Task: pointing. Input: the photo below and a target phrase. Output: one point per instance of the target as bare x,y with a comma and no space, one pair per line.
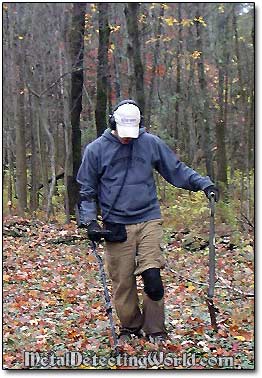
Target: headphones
112,122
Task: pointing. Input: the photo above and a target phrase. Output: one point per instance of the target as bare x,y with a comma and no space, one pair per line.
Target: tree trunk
204,100
42,155
9,104
222,61
102,69
130,72
178,77
44,122
21,168
10,173
77,54
117,83
155,61
191,109
245,127
220,134
131,13
34,166
64,91
242,120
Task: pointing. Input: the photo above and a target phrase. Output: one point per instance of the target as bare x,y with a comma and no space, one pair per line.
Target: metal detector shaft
106,294
212,251
212,264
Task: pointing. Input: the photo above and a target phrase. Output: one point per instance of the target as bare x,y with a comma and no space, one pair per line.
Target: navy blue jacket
121,175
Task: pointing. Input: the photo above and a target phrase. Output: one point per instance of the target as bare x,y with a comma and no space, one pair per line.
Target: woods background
190,66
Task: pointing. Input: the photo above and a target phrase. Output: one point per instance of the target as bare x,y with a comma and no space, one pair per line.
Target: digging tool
106,295
212,264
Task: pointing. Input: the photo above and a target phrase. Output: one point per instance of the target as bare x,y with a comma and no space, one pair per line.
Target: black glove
94,231
212,189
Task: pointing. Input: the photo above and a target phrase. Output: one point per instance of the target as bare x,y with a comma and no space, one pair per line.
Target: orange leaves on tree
151,40
186,22
114,28
170,21
93,7
221,8
200,20
160,70
196,54
142,18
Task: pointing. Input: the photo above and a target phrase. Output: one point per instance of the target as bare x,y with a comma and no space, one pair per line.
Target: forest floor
53,302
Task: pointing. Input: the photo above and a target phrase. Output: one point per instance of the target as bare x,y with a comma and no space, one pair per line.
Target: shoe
157,338
127,334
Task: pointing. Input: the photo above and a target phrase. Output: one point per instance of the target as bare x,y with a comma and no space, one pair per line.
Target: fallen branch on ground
227,287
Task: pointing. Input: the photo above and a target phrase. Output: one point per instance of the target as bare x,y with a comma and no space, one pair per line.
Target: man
117,172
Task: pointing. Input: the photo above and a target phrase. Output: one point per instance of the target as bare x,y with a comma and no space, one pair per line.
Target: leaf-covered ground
53,301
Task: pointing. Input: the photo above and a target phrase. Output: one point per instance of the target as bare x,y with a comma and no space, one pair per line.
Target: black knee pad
153,285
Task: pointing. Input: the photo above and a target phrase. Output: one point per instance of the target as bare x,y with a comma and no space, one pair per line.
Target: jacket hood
108,135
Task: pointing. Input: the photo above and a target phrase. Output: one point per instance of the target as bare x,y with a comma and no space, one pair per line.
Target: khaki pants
124,261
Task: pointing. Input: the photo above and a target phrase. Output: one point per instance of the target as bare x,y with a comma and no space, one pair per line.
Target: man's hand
212,189
94,231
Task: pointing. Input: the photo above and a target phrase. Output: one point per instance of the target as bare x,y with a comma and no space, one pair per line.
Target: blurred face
122,140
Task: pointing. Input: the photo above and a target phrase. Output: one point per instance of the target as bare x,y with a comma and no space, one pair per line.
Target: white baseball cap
127,118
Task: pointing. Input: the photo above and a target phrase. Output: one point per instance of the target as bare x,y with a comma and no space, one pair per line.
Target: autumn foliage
53,299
